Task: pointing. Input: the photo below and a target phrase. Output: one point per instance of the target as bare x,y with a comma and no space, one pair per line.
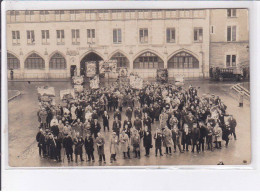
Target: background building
52,44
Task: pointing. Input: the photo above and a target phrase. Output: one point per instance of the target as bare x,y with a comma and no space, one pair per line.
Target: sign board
136,82
46,91
107,66
94,83
91,68
67,92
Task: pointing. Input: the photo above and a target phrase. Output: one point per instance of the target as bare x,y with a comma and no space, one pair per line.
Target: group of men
159,115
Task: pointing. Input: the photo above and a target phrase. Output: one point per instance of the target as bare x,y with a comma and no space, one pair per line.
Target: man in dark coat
203,134
147,141
195,136
89,147
233,124
67,144
138,112
58,141
79,112
40,138
117,126
226,131
55,130
95,128
147,121
138,124
158,142
78,142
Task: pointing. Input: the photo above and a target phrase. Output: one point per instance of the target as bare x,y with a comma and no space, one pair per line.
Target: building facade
57,43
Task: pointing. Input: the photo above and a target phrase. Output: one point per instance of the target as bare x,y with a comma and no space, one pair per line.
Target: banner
179,80
108,66
46,91
136,82
94,83
67,93
91,68
122,71
78,80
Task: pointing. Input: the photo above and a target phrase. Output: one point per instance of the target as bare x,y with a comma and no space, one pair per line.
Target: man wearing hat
158,141
40,138
89,147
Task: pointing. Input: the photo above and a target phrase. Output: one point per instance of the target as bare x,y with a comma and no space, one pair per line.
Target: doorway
89,57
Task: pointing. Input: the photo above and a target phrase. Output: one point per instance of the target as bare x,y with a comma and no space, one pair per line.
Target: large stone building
51,44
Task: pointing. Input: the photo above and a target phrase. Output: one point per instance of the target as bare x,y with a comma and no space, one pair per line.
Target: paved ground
23,126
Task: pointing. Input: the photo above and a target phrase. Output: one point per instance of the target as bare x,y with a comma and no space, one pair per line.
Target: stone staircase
238,88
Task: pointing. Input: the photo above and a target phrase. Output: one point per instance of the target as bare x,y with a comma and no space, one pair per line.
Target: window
170,35
121,59
148,60
231,12
15,16
60,36
45,37
59,15
57,61
34,61
12,61
230,60
231,33
16,37
29,16
91,36
44,16
75,36
30,37
74,15
183,60
143,34
117,36
90,14
198,35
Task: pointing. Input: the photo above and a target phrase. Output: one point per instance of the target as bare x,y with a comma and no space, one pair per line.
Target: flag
91,68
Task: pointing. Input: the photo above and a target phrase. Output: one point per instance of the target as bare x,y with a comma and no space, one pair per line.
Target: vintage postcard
128,87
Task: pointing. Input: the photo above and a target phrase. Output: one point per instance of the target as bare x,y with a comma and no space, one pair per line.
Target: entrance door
89,57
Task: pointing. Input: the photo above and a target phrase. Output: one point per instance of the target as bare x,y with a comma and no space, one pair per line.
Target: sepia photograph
128,87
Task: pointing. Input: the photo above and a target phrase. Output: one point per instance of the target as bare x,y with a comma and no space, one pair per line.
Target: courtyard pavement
23,127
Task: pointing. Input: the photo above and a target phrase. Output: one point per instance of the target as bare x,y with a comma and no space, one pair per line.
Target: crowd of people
157,116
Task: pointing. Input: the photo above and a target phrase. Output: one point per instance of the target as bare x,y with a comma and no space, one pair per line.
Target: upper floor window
90,14
231,33
30,37
231,12
15,16
143,35
74,15
16,37
91,36
60,36
198,35
45,37
117,36
44,16
59,15
231,60
75,36
170,35
29,16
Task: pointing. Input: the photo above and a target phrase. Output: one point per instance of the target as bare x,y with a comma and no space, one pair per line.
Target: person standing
233,124
124,141
158,142
195,136
89,147
147,121
186,137
58,140
100,141
114,143
167,140
147,141
68,144
129,113
241,99
176,137
78,142
116,126
203,134
218,135
135,141
226,131
95,128
40,138
105,118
